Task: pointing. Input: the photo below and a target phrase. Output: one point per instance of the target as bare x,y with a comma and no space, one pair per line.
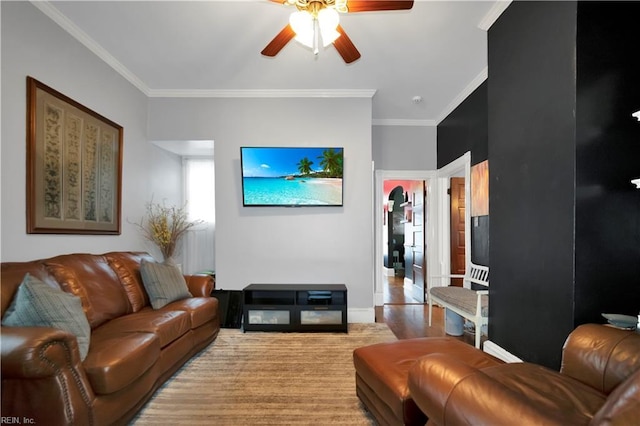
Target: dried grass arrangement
165,226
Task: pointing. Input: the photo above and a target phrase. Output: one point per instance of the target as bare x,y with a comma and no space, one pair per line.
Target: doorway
404,248
453,216
438,224
457,208
410,259
393,256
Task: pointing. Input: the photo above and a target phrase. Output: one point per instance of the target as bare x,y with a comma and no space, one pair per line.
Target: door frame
461,165
431,212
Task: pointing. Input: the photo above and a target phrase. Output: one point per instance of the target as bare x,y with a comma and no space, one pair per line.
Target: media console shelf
295,307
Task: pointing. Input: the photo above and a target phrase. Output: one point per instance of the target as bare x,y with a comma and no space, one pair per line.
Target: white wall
284,245
164,170
305,245
34,45
405,147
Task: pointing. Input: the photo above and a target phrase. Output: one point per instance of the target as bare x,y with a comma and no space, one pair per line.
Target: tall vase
171,261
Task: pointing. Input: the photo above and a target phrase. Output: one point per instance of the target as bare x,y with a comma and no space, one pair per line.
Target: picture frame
74,166
480,189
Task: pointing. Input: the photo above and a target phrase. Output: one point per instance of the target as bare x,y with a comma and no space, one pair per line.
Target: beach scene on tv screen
292,176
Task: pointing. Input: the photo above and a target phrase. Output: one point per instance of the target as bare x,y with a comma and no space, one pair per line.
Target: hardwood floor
408,318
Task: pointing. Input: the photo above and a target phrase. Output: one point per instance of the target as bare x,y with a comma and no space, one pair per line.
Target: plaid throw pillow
164,283
38,305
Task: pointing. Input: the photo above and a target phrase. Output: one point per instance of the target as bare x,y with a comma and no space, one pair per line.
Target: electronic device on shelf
319,297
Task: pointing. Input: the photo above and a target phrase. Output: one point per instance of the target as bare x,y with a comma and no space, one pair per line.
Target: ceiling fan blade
375,5
279,41
345,46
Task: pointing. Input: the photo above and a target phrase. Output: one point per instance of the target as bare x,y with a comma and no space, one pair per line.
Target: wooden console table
295,307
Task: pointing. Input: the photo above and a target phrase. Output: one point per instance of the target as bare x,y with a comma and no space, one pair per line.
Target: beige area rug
260,378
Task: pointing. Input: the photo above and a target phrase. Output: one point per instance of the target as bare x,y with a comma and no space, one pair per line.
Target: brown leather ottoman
382,371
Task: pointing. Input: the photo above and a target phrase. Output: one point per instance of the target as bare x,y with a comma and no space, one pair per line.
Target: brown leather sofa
133,348
598,384
436,380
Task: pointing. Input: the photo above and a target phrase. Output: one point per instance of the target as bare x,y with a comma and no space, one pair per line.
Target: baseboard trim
379,298
361,315
499,352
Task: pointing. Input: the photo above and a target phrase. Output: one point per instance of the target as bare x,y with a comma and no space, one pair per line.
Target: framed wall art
74,166
480,189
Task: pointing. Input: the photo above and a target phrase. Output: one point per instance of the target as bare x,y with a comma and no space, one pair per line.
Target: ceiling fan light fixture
318,19
328,20
309,25
302,24
341,6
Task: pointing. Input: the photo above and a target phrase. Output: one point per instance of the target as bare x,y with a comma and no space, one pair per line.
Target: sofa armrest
601,356
36,352
200,285
42,377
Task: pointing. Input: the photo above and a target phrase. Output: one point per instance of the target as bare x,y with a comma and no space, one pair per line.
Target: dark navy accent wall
565,233
607,158
564,78
531,196
480,240
465,129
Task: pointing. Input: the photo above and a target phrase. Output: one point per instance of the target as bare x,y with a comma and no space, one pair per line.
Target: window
200,189
199,195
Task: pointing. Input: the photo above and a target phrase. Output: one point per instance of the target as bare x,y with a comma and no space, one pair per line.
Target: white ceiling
437,51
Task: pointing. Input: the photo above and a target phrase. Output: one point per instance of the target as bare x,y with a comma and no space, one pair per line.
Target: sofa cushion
167,325
38,305
622,406
127,266
200,309
450,391
91,278
118,359
68,282
164,283
13,273
463,298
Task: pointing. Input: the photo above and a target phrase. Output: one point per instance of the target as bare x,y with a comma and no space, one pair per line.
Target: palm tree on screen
304,166
331,162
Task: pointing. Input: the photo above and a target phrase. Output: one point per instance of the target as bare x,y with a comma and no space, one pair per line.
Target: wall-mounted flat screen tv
291,176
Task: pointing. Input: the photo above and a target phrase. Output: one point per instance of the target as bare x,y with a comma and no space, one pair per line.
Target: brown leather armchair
598,384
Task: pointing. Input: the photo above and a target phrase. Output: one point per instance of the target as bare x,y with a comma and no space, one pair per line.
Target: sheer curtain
199,247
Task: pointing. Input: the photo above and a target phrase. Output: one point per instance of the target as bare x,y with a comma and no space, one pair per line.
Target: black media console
295,307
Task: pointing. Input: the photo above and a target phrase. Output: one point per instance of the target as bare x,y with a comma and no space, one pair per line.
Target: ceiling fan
315,19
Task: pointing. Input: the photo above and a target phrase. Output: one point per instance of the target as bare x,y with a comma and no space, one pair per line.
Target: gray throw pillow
36,304
164,283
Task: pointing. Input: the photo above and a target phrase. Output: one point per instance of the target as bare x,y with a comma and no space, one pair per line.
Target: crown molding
493,14
473,85
402,122
59,18
46,7
263,93
56,16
